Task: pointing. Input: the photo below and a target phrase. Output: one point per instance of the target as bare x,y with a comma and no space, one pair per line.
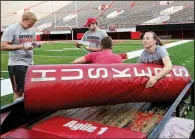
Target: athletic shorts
17,76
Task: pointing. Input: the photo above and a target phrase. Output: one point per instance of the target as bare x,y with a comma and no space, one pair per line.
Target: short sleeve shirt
154,58
94,37
103,57
16,35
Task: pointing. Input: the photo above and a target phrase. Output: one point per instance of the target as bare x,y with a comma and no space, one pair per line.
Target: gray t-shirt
94,37
154,58
17,35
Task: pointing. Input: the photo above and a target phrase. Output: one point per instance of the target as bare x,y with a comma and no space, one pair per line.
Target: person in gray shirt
18,39
155,53
93,36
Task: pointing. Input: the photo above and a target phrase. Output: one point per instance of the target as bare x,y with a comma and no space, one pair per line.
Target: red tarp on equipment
22,133
54,87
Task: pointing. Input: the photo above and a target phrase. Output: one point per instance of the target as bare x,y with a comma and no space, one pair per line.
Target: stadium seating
133,15
183,16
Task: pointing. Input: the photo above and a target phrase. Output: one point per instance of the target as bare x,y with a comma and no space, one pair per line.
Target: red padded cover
74,128
28,134
54,87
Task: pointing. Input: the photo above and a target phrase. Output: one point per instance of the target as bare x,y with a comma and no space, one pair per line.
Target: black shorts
17,76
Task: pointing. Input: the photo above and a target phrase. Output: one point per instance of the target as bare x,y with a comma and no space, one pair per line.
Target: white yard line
6,87
4,71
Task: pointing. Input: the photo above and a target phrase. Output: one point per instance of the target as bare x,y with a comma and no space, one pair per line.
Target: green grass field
65,52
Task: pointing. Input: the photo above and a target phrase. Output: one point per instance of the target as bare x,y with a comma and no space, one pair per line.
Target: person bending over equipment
102,57
155,53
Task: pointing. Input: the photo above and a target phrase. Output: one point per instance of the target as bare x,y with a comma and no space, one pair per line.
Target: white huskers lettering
80,76
43,76
104,73
87,127
97,73
121,73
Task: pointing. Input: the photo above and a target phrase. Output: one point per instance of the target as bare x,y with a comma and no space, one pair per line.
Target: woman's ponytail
158,42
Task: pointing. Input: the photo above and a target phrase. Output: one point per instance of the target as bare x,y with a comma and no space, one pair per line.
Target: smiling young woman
155,53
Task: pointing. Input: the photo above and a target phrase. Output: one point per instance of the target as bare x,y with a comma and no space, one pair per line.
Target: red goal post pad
74,128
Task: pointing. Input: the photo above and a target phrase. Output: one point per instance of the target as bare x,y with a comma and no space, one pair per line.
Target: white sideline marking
4,71
6,87
71,48
64,49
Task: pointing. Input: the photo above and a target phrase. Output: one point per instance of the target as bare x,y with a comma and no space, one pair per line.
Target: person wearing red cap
102,57
93,36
